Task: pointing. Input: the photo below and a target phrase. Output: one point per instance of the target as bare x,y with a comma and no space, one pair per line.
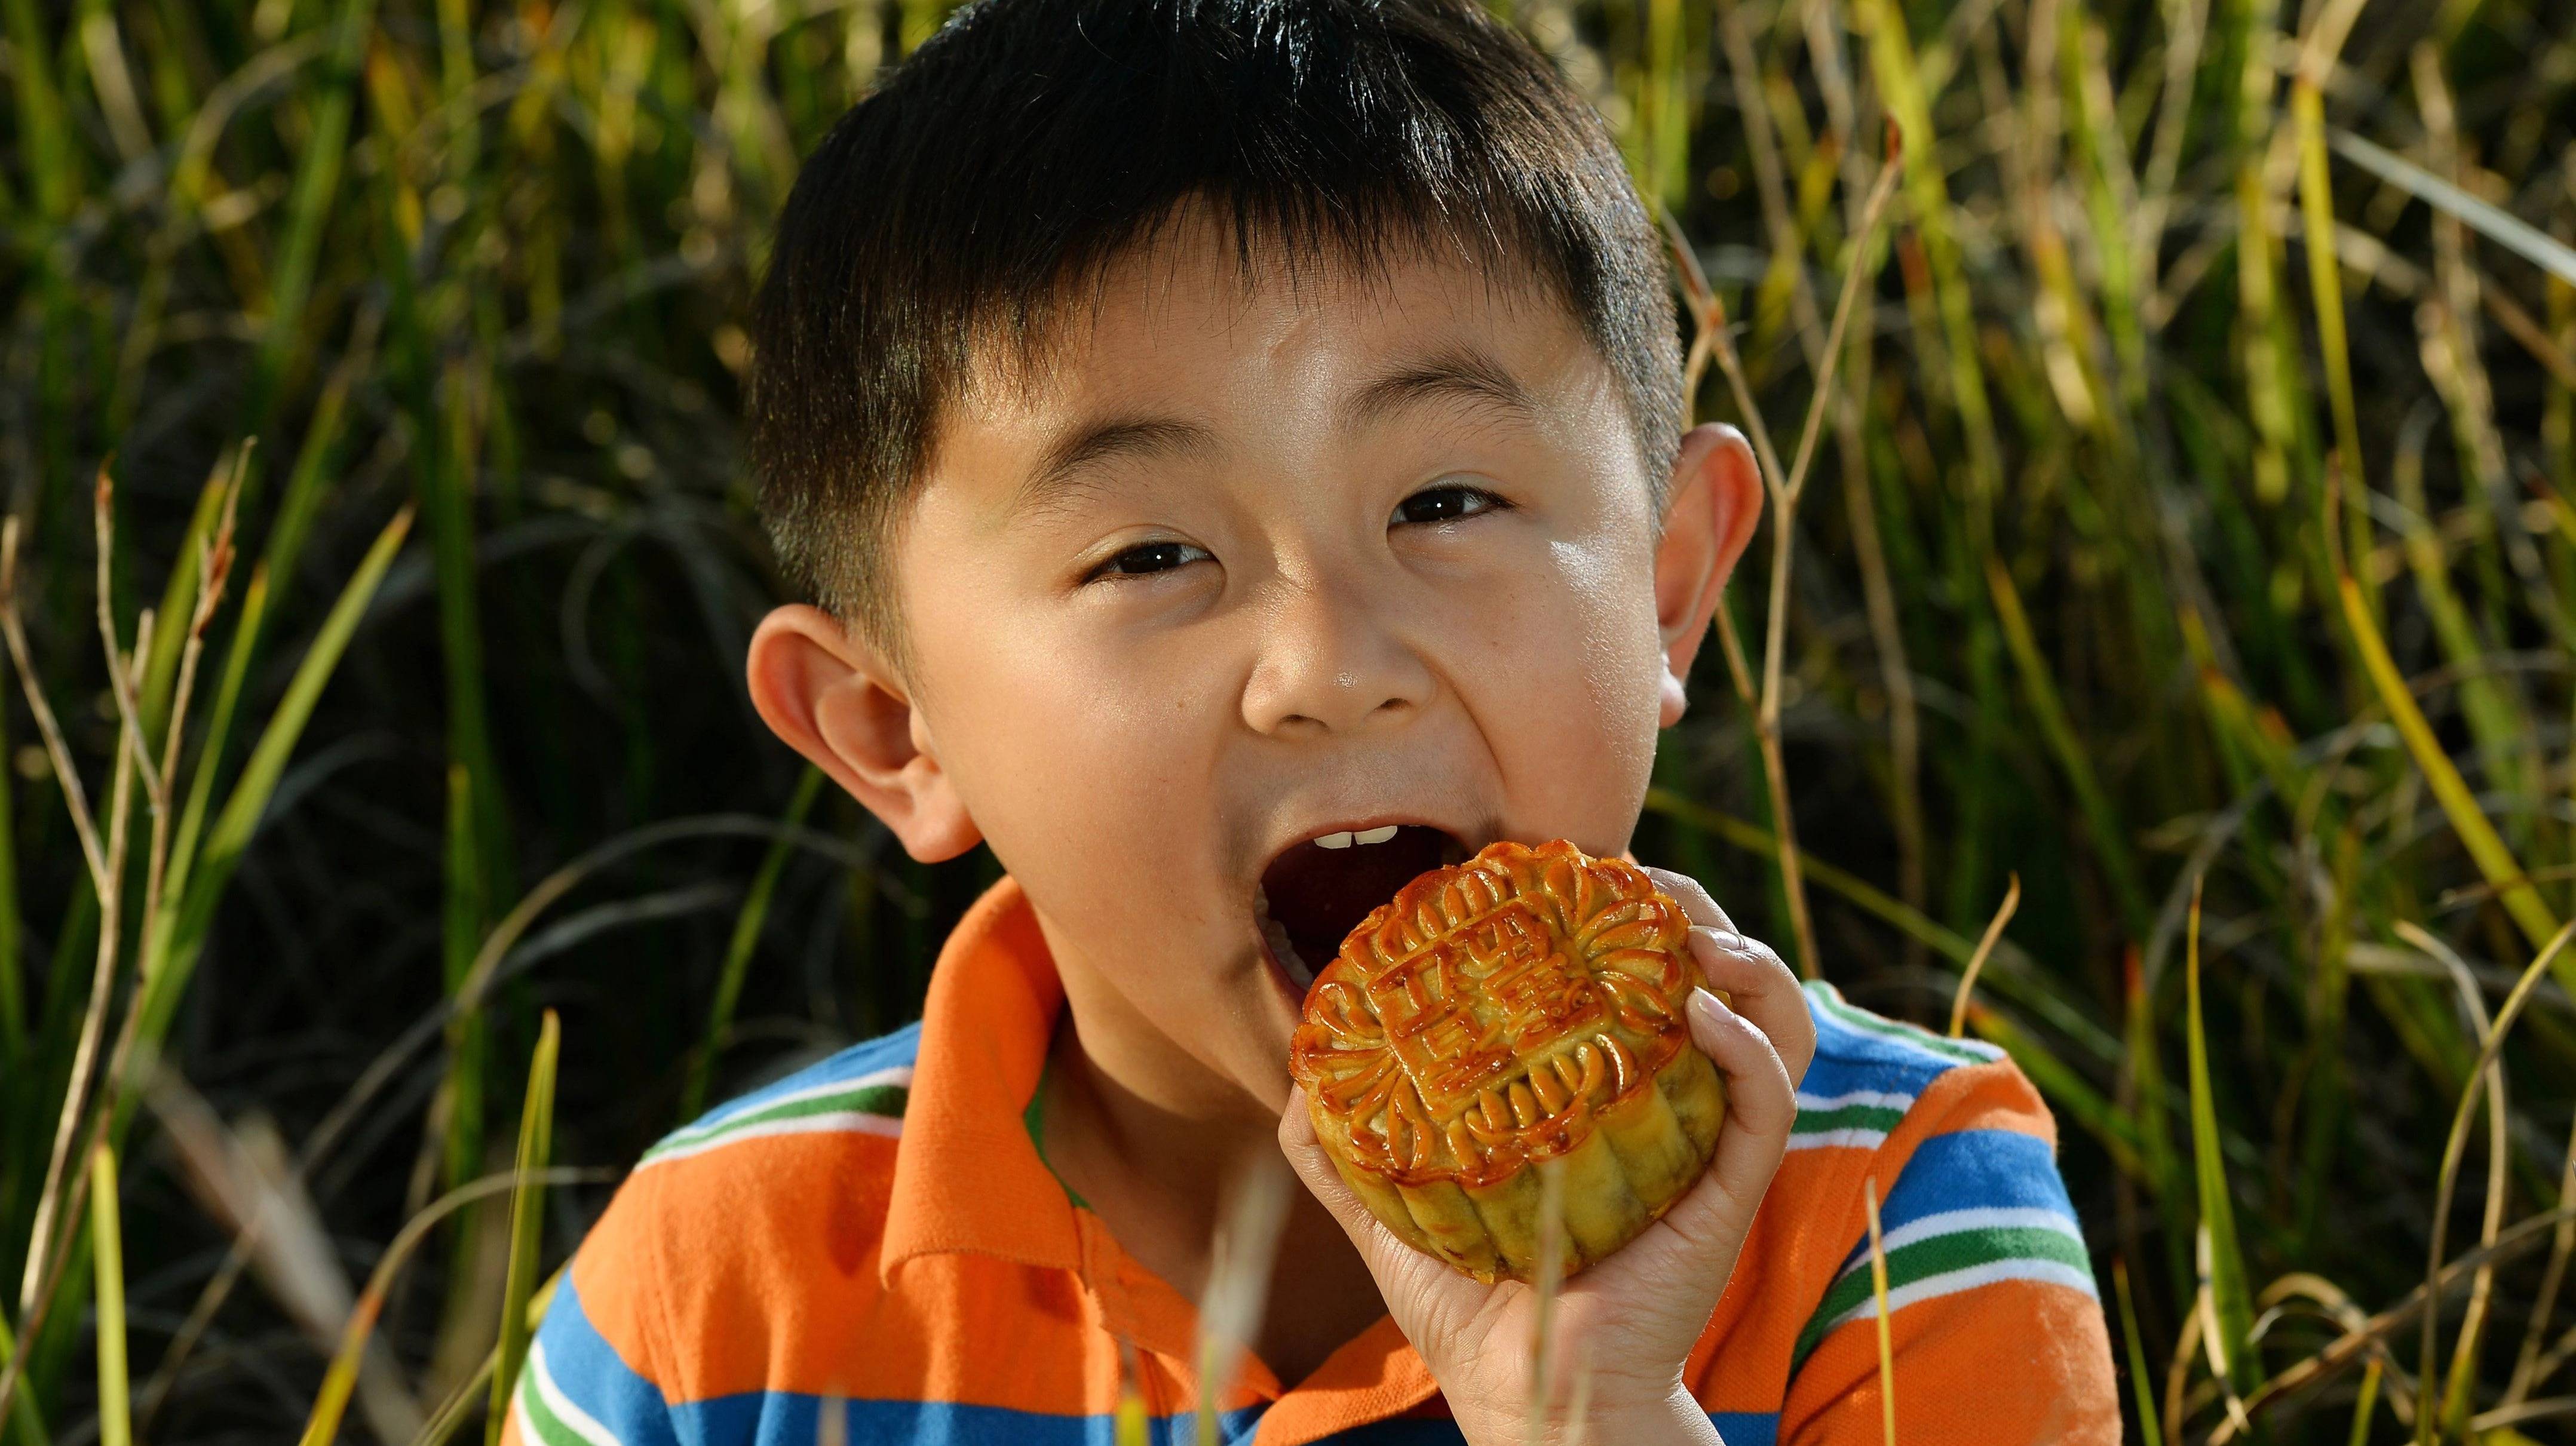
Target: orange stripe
2005,1364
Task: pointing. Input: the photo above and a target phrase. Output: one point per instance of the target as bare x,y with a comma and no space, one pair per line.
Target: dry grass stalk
2499,1153
2455,1146
1985,946
1886,1330
61,1197
1787,486
1546,1285
243,1178
1241,1259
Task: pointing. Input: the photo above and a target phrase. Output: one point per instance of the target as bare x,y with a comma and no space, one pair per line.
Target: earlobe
829,695
1711,508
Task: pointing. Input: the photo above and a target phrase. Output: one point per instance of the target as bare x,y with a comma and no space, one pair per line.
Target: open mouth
1316,892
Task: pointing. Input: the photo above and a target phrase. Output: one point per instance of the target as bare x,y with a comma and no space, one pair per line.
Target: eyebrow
1462,374
1459,375
1085,448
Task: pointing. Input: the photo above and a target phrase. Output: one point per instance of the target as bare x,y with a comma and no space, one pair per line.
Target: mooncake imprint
1521,1007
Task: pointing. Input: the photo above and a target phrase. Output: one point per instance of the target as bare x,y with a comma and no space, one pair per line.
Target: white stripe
1855,1139
1851,1017
1879,1098
1951,1222
899,1075
519,1405
840,1122
580,1421
1953,1282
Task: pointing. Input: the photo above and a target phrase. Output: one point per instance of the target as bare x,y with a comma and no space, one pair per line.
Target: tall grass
2197,562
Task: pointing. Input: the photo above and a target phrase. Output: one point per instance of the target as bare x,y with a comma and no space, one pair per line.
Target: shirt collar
966,1176
968,1179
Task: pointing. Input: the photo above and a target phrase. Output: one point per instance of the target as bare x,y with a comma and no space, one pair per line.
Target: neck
1136,1132
1151,1140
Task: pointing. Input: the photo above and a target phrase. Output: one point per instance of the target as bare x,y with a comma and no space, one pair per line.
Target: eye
1146,559
1447,503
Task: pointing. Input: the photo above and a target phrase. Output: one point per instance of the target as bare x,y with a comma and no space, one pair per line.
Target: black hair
949,218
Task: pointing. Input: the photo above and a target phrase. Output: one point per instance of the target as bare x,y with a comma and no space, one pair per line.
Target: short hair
951,216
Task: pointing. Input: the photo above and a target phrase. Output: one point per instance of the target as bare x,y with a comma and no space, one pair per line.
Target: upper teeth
1346,838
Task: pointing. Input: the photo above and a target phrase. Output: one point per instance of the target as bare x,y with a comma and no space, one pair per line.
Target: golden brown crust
1490,1015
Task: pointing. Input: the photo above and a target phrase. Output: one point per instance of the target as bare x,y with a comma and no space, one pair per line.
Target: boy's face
1249,575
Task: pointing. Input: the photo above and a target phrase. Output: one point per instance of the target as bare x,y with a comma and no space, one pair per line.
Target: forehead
1193,320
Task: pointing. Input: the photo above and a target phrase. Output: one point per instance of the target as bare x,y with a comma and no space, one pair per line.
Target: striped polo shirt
877,1237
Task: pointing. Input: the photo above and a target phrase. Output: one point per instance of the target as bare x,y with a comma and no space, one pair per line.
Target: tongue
1319,895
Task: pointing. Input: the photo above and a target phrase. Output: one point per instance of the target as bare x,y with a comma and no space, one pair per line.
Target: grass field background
2194,509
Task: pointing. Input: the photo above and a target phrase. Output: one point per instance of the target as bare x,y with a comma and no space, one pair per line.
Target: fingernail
1705,1010
1719,939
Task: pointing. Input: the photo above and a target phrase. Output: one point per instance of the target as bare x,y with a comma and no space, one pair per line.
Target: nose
1331,661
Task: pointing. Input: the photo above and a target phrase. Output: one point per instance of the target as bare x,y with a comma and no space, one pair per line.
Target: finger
1760,987
1761,1108
1696,901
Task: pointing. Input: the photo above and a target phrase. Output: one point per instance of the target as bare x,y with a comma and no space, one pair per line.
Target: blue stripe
591,1375
1747,1428
778,1418
1976,1170
1973,1170
783,1418
866,1057
1850,1059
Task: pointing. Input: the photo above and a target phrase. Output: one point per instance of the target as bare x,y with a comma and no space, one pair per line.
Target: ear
1713,502
832,697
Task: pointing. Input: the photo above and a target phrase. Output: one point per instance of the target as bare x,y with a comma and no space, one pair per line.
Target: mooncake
1521,1007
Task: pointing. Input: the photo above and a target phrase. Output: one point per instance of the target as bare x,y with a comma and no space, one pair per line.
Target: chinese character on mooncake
1521,1007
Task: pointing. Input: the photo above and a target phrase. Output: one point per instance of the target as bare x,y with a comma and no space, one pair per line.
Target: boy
1235,446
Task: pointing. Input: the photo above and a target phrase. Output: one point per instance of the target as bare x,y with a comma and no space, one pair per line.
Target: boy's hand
1632,1319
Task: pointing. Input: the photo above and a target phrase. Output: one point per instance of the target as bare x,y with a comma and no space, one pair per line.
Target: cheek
1084,758
1567,689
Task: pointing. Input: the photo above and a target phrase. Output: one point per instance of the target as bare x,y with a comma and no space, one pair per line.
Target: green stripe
1903,1033
550,1429
885,1100
1881,1118
1939,1255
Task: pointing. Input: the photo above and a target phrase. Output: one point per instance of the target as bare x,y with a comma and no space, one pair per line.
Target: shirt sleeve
593,1374
1995,1322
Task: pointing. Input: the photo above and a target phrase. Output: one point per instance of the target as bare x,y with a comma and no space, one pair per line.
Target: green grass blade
2141,1382
2486,847
2227,1278
340,1380
452,1413
527,1215
248,799
44,139
317,178
210,751
2049,711
1902,82
29,1427
746,934
2325,280
107,1265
